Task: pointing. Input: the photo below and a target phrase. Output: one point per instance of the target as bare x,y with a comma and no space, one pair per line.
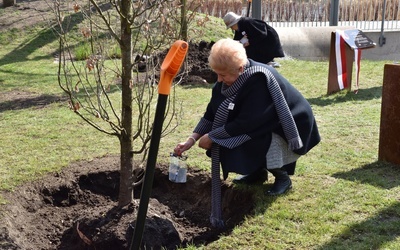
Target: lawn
343,197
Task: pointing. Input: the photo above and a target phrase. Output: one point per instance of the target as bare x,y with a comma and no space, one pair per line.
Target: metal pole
382,38
334,15
248,8
256,9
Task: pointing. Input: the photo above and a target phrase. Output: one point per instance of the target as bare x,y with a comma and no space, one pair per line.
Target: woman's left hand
205,142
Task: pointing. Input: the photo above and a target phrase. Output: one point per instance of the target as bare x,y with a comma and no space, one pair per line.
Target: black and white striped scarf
221,116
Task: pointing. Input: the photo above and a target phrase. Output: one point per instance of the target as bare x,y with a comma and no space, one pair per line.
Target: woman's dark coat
254,114
263,39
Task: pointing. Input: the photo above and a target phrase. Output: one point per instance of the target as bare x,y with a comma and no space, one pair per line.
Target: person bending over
260,40
255,122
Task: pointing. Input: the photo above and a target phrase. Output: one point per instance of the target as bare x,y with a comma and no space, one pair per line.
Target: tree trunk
8,3
184,25
126,172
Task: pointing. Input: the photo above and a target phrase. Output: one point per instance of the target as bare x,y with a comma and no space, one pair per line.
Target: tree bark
184,24
126,172
8,3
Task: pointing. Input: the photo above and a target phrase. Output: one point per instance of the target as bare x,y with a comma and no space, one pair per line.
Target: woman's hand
205,142
183,146
244,41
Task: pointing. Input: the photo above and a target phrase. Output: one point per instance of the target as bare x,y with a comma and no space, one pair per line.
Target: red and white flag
340,48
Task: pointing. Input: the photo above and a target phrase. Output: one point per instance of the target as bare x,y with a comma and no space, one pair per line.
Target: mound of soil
77,209
195,65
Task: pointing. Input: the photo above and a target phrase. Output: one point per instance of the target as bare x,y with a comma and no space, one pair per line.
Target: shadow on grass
378,174
372,233
41,39
29,102
375,231
22,52
15,100
263,201
346,96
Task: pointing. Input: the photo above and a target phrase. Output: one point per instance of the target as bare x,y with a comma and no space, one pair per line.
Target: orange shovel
169,68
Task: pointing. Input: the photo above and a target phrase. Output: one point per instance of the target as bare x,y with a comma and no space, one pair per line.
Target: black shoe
280,187
258,176
282,183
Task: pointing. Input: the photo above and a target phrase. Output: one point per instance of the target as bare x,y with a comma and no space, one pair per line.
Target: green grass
343,197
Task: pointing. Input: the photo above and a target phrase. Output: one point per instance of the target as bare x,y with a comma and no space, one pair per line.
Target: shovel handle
171,65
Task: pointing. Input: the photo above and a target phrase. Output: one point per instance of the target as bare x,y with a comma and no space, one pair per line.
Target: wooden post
389,138
8,3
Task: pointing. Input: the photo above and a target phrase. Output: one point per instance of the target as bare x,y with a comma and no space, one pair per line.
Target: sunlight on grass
37,145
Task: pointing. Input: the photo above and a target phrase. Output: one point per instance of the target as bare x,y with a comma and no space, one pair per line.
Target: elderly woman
260,40
255,121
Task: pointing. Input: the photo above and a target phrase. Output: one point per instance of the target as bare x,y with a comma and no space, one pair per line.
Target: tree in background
114,88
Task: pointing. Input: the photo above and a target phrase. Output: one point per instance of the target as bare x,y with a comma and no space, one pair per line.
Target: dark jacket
254,114
263,39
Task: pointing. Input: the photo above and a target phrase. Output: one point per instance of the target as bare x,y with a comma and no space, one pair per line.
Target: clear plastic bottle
177,168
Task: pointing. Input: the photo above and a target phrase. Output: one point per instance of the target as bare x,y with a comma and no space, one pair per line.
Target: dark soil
77,207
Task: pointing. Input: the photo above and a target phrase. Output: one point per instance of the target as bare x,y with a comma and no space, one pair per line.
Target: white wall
313,43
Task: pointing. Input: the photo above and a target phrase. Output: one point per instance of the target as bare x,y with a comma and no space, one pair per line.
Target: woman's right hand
183,146
180,148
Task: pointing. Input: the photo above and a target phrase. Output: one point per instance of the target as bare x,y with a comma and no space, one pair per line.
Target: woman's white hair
227,55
